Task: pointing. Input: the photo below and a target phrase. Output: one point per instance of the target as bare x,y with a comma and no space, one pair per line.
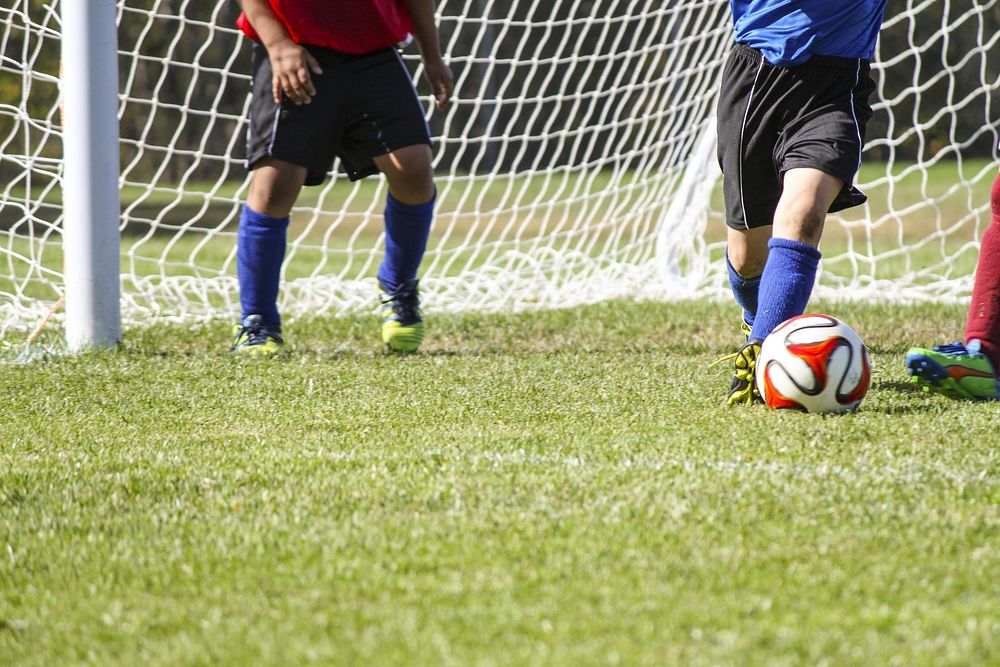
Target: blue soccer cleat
954,370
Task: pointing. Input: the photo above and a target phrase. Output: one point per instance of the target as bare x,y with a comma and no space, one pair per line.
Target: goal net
577,162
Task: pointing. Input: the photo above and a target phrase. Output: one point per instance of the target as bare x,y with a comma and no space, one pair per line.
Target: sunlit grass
562,487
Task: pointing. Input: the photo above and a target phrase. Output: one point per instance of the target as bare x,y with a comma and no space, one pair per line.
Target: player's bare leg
806,197
747,250
746,253
408,215
410,173
800,215
274,187
792,257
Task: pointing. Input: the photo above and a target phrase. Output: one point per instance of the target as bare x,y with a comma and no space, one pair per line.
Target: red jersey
349,26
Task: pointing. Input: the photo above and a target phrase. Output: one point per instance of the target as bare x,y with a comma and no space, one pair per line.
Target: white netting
576,164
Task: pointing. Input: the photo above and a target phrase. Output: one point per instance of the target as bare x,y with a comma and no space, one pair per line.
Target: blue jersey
789,32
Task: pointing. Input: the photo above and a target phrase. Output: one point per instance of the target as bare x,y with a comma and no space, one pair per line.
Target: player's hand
292,68
439,76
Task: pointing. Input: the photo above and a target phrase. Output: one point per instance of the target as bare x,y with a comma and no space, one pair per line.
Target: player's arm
438,74
290,63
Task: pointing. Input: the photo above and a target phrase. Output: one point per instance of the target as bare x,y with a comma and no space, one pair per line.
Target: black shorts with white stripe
365,106
772,119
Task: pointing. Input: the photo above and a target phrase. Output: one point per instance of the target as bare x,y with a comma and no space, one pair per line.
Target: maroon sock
984,311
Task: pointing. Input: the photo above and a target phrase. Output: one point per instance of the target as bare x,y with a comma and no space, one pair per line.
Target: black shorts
364,106
772,119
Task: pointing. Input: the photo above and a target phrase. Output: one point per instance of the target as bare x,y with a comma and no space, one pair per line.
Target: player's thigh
410,173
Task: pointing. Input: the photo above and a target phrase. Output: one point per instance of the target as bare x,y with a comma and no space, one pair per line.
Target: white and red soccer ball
814,363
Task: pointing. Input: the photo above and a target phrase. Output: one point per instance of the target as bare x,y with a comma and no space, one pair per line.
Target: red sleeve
244,24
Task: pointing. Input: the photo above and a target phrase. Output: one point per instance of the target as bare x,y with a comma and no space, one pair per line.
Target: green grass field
562,488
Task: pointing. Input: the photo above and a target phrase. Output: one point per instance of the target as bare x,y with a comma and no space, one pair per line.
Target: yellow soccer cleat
402,322
254,338
743,389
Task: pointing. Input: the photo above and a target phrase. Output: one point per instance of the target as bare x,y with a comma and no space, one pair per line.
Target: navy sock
785,285
260,250
745,291
407,227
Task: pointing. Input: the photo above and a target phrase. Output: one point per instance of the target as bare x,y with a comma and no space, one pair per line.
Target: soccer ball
813,363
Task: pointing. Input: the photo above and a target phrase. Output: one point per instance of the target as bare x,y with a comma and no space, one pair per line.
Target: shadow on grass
901,386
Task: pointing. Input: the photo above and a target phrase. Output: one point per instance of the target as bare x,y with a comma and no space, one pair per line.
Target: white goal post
90,173
576,163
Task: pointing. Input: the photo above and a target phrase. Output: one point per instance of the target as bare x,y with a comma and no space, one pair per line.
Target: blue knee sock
406,230
745,291
785,285
260,250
